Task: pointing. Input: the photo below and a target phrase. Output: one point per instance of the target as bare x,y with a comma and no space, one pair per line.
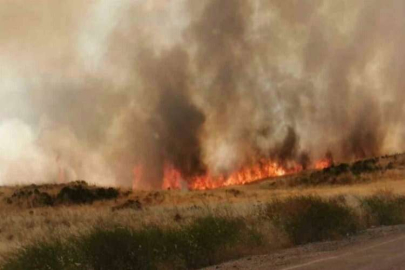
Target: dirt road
378,249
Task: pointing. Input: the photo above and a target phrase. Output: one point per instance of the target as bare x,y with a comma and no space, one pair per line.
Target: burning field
174,180
157,95
191,104
90,227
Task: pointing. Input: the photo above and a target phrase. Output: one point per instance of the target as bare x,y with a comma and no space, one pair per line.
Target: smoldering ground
90,90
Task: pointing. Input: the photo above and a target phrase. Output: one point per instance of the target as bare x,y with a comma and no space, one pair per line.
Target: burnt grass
76,193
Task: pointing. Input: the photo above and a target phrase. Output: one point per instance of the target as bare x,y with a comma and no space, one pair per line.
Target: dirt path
377,249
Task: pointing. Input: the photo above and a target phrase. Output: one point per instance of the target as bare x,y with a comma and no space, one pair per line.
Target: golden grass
20,226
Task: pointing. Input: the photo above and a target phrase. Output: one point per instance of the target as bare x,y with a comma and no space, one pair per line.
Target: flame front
323,163
174,180
247,174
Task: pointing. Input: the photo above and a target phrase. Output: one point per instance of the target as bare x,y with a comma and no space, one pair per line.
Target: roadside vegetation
311,219
384,209
203,242
213,238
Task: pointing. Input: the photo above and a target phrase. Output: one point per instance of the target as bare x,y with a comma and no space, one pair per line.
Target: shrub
364,166
80,194
30,197
201,243
384,209
337,170
310,219
41,256
192,246
211,233
120,248
390,166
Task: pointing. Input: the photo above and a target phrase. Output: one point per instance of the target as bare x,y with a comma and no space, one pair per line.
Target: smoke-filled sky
91,89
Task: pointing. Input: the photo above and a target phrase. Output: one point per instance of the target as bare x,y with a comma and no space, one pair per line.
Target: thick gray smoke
91,89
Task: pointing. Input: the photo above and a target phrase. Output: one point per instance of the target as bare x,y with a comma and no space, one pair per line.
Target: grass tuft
211,239
205,241
311,219
41,255
384,209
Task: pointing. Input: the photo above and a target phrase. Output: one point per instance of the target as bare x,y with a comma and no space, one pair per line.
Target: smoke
89,90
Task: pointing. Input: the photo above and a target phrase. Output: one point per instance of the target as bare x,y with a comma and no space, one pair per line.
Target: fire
174,180
245,175
323,164
138,174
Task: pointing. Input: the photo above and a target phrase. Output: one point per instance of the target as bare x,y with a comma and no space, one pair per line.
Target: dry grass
198,241
202,242
22,224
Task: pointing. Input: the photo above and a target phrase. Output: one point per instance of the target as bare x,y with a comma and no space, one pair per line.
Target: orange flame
323,164
243,176
138,174
174,180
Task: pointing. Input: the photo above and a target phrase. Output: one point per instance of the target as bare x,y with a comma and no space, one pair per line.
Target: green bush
311,219
201,243
384,209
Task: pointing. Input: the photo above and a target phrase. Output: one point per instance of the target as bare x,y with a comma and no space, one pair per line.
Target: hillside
35,213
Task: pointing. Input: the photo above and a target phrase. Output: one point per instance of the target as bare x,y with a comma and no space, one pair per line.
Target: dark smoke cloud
171,131
90,90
